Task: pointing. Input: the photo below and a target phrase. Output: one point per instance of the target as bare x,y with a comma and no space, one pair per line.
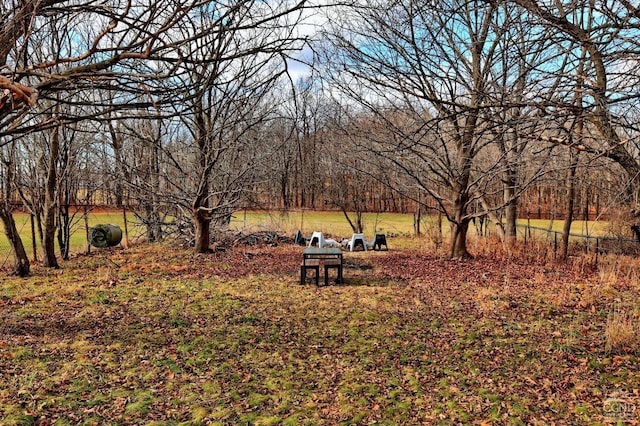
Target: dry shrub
628,270
622,331
608,270
487,246
619,270
615,246
582,264
592,295
536,249
563,295
620,222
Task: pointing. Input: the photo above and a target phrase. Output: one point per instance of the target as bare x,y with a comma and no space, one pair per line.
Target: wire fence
578,243
528,235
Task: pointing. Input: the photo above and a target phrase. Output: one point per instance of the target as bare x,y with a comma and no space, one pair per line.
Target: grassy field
332,224
579,227
78,236
156,335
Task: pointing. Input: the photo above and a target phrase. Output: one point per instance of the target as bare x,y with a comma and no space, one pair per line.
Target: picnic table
327,257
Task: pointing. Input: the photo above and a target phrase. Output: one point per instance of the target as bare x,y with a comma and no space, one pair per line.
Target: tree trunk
511,209
439,237
116,144
154,213
33,237
48,242
64,231
571,194
86,230
539,202
357,227
491,214
21,265
571,191
126,227
203,231
511,223
459,229
458,248
586,205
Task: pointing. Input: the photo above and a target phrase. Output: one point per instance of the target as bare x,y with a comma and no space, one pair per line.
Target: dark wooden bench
313,264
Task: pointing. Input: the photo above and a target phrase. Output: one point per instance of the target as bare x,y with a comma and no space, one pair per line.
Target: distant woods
185,111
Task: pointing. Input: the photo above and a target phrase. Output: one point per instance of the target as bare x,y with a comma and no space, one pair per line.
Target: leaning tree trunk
21,265
358,226
493,217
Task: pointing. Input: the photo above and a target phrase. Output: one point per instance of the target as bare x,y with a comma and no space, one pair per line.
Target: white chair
370,243
357,239
318,238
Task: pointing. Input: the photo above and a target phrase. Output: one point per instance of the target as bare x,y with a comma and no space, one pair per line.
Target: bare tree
69,53
607,34
427,76
306,109
98,46
50,199
21,265
228,76
144,149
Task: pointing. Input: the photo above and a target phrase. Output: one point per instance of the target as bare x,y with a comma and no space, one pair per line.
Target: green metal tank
103,236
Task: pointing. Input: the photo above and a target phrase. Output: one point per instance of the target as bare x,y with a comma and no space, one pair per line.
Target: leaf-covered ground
158,335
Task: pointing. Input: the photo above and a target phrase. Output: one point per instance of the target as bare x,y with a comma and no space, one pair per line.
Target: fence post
33,238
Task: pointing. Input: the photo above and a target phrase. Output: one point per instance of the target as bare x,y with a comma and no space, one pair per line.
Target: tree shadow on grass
360,272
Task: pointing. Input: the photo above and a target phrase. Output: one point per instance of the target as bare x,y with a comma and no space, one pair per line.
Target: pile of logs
270,238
